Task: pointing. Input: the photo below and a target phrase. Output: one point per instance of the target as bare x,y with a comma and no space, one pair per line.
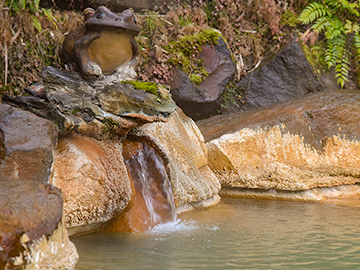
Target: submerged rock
298,145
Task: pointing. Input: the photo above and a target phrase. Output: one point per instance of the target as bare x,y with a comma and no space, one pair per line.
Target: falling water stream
153,201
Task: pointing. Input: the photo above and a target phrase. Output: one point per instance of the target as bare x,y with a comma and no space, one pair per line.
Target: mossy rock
127,100
184,53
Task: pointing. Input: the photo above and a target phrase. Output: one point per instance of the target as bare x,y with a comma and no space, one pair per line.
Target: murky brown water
236,234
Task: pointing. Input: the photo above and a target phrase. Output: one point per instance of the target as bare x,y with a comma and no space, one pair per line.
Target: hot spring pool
236,234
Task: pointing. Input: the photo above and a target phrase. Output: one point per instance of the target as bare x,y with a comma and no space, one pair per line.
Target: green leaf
36,3
36,23
49,15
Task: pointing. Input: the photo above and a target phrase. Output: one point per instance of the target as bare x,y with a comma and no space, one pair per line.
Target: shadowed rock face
32,233
298,145
26,207
31,228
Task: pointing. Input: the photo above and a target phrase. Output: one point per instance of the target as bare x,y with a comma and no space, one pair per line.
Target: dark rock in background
288,75
203,101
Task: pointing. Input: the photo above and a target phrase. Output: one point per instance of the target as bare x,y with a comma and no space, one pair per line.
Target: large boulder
27,144
204,100
32,233
286,76
299,145
93,179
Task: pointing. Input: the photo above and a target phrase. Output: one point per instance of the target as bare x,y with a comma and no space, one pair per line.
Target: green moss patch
150,87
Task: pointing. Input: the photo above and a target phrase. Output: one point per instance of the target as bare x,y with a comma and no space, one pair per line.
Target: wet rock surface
288,75
297,145
27,143
152,200
93,179
201,101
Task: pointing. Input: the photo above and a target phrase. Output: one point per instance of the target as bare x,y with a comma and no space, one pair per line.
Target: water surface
236,234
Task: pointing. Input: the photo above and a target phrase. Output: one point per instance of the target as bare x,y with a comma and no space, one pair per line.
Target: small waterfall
153,197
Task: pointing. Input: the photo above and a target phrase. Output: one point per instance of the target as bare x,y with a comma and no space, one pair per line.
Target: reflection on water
237,234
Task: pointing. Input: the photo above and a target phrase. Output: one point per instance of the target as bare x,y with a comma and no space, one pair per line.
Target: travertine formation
299,145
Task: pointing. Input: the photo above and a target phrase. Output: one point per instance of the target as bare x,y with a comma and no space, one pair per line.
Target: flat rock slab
297,145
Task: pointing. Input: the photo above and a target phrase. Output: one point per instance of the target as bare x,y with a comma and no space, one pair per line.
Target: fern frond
334,29
357,43
338,55
357,53
22,4
320,24
36,3
314,11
